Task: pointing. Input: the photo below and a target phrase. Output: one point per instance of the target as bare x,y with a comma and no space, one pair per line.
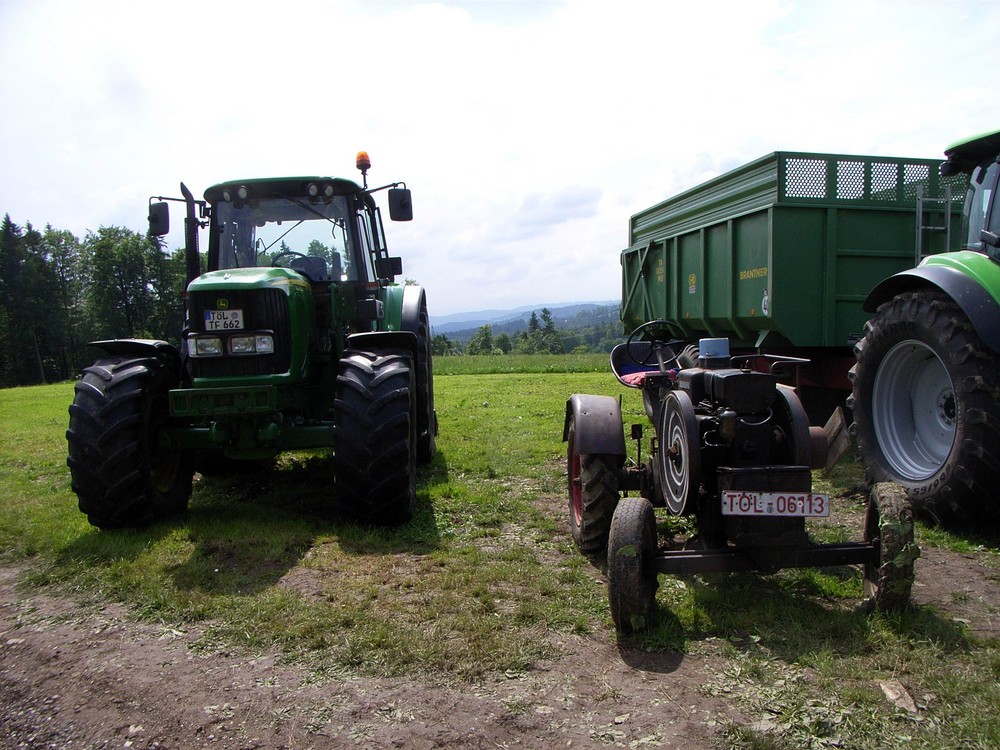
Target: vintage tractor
733,447
926,385
295,337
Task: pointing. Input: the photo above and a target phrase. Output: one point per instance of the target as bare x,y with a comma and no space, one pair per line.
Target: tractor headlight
264,344
206,346
258,343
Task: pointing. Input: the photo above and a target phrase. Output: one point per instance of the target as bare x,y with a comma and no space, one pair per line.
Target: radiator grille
263,310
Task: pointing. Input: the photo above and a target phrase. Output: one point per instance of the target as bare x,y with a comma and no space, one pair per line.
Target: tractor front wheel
375,437
889,524
121,474
592,480
632,582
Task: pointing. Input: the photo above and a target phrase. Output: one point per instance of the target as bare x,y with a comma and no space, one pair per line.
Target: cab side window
367,244
977,203
991,199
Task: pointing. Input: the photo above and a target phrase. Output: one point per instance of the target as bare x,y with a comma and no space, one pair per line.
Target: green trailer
781,253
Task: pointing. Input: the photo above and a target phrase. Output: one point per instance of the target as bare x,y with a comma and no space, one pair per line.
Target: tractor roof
967,154
273,187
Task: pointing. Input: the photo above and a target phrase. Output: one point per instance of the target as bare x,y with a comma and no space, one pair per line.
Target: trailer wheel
121,474
926,411
889,524
592,481
374,439
632,582
679,453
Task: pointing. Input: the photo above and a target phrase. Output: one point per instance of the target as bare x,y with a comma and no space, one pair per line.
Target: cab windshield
311,236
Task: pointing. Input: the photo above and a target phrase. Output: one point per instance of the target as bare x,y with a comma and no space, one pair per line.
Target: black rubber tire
956,482
427,426
592,485
632,583
889,523
119,474
375,438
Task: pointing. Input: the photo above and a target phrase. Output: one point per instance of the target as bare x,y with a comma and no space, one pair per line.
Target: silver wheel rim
679,467
914,410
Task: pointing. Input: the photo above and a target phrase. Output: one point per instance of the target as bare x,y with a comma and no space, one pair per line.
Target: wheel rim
914,410
678,452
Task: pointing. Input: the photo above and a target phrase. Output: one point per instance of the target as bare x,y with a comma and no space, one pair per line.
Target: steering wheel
291,253
660,335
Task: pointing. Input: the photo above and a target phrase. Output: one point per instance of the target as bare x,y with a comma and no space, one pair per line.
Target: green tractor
295,337
926,386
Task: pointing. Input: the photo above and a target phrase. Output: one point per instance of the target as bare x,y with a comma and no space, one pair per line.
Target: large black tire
427,427
889,524
632,582
121,475
592,483
375,437
926,411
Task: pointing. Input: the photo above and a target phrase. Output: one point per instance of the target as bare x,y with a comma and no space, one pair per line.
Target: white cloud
529,132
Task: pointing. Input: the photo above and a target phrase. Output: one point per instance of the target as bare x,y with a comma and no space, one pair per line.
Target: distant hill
461,326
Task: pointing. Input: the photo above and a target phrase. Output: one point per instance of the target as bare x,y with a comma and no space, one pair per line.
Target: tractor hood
247,278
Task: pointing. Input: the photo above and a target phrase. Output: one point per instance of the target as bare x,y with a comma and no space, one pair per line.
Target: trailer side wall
782,251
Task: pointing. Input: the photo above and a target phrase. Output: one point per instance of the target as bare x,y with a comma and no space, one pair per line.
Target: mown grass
485,364
487,571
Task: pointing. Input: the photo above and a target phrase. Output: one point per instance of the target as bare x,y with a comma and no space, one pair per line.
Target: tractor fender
976,302
139,348
374,341
598,424
402,307
414,300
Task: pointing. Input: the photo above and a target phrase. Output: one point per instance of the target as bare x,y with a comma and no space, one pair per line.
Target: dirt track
85,677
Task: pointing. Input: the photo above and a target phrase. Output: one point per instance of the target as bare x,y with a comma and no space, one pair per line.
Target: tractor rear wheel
926,411
592,481
889,523
375,437
632,582
427,427
120,473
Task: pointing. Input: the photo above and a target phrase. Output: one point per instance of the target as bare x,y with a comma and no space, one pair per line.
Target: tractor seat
314,268
632,374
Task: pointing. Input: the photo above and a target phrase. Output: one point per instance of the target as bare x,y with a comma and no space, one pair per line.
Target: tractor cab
981,214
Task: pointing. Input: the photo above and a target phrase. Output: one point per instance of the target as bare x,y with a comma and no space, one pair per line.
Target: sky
529,132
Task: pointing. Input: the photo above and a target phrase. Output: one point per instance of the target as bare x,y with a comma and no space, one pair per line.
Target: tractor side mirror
400,205
159,219
389,268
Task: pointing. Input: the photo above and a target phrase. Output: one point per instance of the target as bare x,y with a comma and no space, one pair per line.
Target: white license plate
788,504
223,320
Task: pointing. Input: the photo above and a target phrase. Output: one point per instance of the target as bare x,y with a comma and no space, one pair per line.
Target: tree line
58,292
588,331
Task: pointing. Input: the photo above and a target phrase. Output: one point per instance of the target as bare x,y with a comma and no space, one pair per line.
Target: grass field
471,587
